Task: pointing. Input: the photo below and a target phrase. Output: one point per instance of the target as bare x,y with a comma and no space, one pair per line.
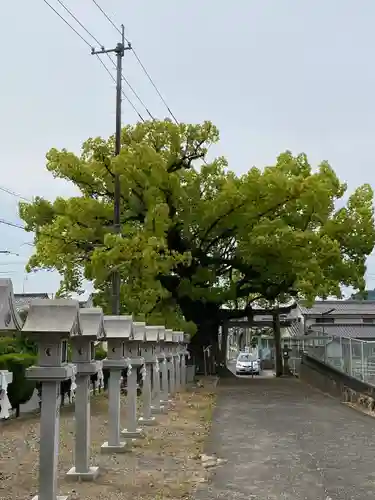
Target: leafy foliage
196,236
100,353
21,389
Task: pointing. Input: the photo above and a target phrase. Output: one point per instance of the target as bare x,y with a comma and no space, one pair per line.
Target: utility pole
119,50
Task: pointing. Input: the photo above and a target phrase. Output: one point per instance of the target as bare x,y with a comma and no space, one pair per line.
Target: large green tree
198,243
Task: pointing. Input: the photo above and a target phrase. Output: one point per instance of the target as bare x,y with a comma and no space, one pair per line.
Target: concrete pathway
286,441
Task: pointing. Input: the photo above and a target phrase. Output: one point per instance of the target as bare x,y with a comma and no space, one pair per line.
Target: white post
341,356
362,361
6,378
350,358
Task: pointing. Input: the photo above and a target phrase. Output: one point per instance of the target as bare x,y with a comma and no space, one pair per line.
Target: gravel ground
166,464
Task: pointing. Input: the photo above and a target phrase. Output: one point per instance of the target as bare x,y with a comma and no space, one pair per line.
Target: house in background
346,333
23,301
337,318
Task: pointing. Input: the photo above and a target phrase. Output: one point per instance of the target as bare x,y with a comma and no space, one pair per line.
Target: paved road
286,441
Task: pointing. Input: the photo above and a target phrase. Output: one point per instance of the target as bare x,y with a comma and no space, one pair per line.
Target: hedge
9,345
21,389
100,353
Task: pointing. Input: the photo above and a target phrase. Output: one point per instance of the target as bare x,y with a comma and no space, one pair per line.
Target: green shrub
100,353
9,345
16,344
21,389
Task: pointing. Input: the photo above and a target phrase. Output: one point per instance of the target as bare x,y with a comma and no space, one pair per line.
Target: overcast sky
271,74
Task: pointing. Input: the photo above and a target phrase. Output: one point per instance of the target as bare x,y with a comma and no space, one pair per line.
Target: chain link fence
351,356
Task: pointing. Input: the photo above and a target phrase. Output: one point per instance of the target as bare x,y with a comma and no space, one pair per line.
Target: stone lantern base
166,404
122,447
147,421
90,475
57,498
162,410
133,434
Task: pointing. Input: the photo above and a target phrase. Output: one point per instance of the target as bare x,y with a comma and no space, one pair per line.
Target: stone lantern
136,361
186,355
118,329
160,376
148,352
177,339
170,360
165,401
9,317
182,349
51,323
83,355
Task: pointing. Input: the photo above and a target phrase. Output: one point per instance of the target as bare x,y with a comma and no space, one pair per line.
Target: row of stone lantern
159,353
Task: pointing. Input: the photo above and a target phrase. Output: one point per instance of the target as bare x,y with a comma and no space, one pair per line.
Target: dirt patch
166,464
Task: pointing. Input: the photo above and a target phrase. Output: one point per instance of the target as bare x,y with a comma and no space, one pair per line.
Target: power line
53,236
68,24
108,18
123,93
13,193
132,89
154,85
101,45
109,57
139,62
78,21
11,224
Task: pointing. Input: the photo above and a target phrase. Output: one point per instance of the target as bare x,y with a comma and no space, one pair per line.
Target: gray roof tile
23,300
346,330
340,307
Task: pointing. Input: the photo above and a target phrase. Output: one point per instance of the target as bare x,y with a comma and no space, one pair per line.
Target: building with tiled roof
23,300
340,318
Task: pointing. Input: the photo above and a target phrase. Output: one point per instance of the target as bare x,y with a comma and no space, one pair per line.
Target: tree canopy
196,237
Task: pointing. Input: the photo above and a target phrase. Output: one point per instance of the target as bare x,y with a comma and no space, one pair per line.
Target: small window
368,320
324,319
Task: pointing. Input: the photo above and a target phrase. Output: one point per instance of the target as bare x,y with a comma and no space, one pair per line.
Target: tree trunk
277,337
205,336
222,359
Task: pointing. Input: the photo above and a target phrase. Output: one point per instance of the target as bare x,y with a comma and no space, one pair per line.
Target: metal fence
352,356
